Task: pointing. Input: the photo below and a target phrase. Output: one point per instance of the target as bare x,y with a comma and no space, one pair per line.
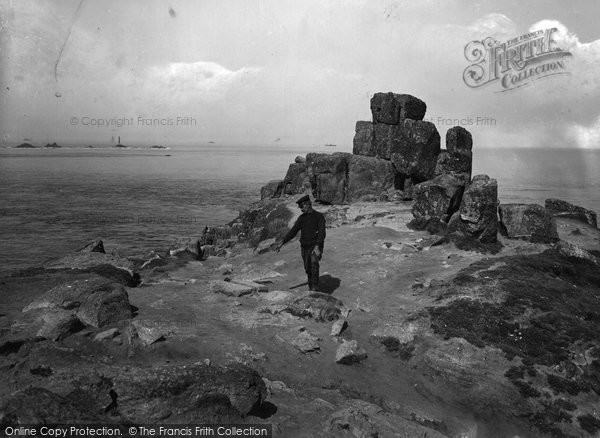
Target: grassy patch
550,312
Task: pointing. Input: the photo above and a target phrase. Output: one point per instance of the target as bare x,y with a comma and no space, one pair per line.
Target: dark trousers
311,266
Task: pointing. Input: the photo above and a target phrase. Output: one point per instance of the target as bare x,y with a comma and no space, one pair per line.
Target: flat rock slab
301,340
349,352
231,289
84,260
257,275
365,419
257,287
107,334
148,331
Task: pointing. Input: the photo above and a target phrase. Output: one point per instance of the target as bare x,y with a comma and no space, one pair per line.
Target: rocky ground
408,337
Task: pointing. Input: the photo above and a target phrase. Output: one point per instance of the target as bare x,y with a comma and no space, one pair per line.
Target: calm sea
139,200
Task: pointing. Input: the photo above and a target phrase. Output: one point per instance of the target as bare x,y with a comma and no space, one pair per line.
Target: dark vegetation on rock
541,309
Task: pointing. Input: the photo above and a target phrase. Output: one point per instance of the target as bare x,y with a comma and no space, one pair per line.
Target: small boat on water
119,145
331,145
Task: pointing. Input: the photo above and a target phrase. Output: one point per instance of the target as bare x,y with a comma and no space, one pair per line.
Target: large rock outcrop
438,198
272,189
390,108
560,208
328,176
363,139
528,222
93,258
478,214
296,179
171,394
368,176
92,299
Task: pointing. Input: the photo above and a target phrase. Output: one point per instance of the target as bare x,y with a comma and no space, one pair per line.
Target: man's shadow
328,284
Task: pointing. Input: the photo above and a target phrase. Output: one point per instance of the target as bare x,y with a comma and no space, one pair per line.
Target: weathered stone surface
91,259
107,334
257,275
571,250
328,176
272,189
173,394
296,179
265,245
458,140
400,333
359,418
57,324
363,139
106,305
95,246
368,176
188,392
186,250
256,287
349,352
560,208
527,221
264,219
70,294
412,146
391,108
88,259
318,305
437,198
300,339
40,406
459,165
230,289
338,327
147,331
300,159
478,214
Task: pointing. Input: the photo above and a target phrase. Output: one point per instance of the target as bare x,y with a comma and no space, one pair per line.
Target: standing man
311,225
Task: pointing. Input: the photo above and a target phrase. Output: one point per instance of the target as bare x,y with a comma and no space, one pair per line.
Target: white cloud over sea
252,71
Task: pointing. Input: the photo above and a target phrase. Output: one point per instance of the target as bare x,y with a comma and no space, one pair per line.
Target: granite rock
527,221
458,140
368,176
391,108
478,214
438,198
363,139
560,208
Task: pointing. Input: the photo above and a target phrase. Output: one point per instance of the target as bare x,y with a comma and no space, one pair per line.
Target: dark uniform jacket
312,230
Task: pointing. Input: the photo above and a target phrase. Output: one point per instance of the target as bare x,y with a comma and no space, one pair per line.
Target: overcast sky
299,71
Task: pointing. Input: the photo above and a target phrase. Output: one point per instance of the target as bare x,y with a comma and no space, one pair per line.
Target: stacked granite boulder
457,158
399,134
391,154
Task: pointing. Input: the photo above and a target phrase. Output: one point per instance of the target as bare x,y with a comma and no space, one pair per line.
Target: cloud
202,81
586,137
495,25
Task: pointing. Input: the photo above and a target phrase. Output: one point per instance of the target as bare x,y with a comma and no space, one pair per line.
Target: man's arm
290,235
